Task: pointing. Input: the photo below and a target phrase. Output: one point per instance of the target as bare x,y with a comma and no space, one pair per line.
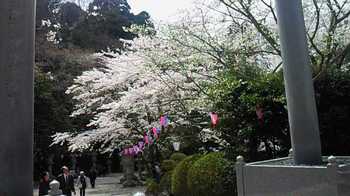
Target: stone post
302,112
17,18
74,162
332,167
139,167
240,175
123,164
129,172
50,164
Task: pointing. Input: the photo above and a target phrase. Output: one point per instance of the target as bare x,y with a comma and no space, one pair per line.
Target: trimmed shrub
211,175
178,157
179,177
165,182
168,165
152,187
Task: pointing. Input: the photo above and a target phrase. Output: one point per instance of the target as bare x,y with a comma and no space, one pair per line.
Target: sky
160,10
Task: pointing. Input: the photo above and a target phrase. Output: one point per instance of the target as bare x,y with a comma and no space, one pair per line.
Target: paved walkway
108,186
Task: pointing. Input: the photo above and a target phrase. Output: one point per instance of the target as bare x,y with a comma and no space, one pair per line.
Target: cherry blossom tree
127,93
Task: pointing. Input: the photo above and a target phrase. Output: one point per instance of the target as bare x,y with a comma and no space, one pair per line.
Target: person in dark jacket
66,182
44,185
93,175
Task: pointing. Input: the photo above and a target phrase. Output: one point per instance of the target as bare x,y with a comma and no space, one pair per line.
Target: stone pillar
333,175
124,165
74,162
130,180
240,175
139,167
17,18
50,164
302,112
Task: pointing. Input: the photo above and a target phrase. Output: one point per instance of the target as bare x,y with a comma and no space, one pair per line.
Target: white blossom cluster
127,94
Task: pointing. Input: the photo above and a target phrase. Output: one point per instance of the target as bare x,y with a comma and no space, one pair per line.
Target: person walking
93,175
81,183
44,185
66,182
157,172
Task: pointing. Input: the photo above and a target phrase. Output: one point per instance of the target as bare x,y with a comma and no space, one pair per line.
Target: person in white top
81,183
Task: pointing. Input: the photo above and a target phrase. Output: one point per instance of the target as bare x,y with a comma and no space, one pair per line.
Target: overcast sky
160,10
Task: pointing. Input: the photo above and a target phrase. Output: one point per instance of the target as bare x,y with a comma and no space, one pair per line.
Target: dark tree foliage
333,101
44,10
239,96
70,14
103,25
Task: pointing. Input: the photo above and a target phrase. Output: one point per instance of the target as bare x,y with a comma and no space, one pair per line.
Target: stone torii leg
17,18
302,112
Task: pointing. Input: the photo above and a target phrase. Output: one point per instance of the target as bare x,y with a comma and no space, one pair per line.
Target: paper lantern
259,113
176,145
214,118
155,133
141,145
125,152
146,139
131,151
164,120
137,150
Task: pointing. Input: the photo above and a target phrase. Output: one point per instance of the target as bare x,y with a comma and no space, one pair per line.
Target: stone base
280,177
132,181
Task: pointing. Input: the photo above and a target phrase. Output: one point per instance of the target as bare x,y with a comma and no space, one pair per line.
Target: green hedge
179,177
165,182
168,165
152,187
178,157
211,175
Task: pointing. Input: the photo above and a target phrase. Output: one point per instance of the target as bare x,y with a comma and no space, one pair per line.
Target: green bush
165,182
168,165
179,177
211,175
152,187
178,157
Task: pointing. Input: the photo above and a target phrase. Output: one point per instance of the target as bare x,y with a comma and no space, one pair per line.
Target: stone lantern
176,146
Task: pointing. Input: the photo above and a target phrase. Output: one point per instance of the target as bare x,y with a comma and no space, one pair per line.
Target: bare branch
317,8
271,9
277,67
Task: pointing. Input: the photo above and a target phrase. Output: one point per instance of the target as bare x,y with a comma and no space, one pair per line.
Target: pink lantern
131,151
155,132
141,145
125,152
214,118
164,120
260,113
145,137
136,149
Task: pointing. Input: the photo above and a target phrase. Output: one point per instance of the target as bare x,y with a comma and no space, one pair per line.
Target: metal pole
302,112
16,96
